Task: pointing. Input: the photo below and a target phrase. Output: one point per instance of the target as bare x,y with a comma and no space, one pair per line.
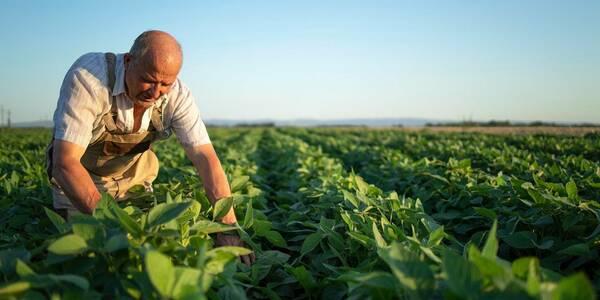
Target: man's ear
127,59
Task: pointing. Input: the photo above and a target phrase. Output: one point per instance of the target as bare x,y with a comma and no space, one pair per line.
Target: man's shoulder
88,73
90,66
91,59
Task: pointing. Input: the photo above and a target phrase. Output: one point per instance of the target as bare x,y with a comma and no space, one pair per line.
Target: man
110,109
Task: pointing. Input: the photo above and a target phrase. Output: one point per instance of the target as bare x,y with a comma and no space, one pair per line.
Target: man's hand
207,163
234,240
229,218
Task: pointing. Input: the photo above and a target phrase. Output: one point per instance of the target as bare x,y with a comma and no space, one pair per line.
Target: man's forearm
76,183
215,182
217,187
213,177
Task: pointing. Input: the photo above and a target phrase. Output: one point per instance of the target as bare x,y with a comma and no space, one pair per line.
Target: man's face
146,80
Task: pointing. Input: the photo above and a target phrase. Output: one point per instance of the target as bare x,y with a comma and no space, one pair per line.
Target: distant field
336,213
510,129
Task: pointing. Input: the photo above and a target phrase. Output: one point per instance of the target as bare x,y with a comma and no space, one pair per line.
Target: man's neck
138,113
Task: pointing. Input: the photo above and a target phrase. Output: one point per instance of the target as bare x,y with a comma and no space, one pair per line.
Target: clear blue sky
518,60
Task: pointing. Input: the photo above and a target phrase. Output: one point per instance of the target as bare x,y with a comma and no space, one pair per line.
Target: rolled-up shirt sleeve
76,111
186,122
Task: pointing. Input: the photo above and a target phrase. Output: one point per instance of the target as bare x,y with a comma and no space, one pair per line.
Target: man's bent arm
209,168
72,177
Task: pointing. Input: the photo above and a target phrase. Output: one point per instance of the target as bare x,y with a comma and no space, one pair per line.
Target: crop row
557,221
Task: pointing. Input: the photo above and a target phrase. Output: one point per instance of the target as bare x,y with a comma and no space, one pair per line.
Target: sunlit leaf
68,244
161,272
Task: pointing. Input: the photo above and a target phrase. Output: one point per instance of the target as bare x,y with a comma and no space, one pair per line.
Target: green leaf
208,227
351,198
116,242
574,287
68,245
520,266
103,207
8,259
361,238
93,234
14,288
545,245
58,222
186,281
412,273
231,292
238,183
463,278
360,184
165,212
249,217
191,213
520,240
261,227
275,238
534,194
571,188
273,257
78,281
490,268
488,213
534,278
436,237
126,221
310,242
303,276
233,250
378,238
23,269
336,241
132,290
490,249
221,208
84,219
379,280
217,262
161,272
576,250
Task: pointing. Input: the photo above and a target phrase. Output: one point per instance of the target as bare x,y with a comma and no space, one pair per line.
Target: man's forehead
167,66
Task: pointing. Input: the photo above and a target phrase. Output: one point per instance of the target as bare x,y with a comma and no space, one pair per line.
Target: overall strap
109,119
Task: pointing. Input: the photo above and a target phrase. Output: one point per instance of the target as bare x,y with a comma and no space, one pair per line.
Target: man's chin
145,103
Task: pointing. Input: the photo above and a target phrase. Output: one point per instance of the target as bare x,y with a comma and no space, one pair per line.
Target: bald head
151,67
158,49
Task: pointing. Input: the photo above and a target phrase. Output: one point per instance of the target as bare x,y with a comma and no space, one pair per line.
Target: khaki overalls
116,161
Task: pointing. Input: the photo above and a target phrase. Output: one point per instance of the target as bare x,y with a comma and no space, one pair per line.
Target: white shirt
84,99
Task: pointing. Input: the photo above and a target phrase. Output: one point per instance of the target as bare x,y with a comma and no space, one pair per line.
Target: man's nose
156,91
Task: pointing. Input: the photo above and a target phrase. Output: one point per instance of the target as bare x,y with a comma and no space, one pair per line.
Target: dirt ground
510,130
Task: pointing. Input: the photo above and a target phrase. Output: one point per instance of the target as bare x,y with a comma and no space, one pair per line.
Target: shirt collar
119,76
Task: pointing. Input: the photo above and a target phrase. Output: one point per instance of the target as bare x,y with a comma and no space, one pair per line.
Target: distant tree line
263,124
496,123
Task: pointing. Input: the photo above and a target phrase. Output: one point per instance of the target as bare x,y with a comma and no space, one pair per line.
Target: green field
330,213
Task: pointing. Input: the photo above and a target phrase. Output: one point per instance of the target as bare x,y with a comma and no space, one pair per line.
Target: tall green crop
329,213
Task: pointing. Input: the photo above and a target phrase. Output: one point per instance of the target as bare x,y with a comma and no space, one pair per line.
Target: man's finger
246,260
